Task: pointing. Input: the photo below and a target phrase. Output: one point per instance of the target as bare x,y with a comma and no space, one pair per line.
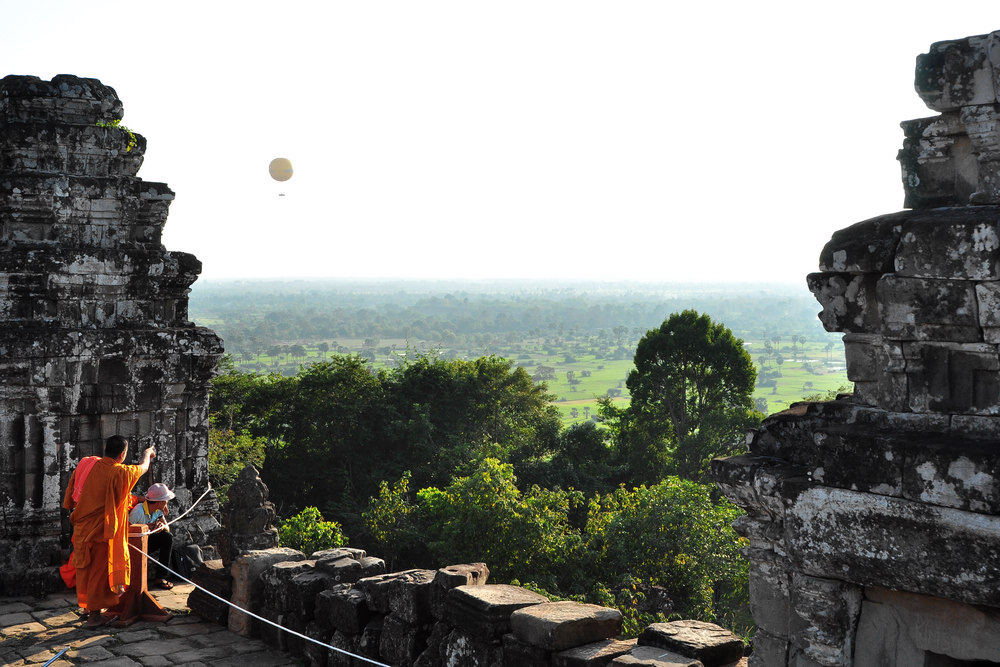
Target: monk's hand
120,590
151,453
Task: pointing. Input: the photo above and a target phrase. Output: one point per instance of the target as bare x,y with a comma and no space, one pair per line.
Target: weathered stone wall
94,335
450,616
896,486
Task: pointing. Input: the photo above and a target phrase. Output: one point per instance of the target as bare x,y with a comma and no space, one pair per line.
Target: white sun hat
158,492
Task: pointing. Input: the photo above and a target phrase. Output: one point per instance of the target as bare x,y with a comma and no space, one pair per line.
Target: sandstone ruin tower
94,335
874,520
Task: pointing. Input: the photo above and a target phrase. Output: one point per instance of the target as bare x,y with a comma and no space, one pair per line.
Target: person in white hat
153,513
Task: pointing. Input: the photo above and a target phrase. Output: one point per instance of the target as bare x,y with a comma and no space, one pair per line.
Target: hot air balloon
280,169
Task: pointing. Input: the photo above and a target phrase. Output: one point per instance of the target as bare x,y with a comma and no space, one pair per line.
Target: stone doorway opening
897,628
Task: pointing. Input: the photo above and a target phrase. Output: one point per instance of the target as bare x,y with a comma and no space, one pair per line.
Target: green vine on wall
117,124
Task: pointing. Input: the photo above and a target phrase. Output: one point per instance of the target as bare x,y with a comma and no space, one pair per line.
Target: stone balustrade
450,616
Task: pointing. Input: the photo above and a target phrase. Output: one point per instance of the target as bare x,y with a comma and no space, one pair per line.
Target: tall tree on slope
691,392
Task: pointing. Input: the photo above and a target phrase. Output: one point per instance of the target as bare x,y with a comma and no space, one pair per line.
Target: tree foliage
671,534
228,453
692,395
339,428
308,532
447,460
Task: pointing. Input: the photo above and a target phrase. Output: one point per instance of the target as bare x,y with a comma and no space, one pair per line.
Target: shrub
309,533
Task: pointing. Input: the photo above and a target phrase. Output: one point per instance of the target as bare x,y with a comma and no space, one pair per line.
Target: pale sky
629,140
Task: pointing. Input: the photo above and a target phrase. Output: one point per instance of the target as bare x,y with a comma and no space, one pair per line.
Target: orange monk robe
100,531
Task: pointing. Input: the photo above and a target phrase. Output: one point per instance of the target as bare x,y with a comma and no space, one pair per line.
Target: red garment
68,574
66,570
100,531
80,475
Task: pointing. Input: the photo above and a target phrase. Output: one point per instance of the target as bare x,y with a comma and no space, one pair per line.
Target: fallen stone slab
653,656
337,554
556,626
713,645
453,576
598,654
484,611
371,566
343,570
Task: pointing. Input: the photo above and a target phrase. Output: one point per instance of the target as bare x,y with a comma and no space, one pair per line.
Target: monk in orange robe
100,526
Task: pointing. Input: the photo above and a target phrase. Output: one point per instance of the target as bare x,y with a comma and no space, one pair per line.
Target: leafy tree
244,402
390,520
484,516
309,533
584,461
326,429
228,453
338,428
674,535
691,393
449,412
671,535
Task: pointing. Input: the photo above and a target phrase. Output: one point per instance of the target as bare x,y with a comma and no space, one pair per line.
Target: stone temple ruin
95,340
873,519
94,335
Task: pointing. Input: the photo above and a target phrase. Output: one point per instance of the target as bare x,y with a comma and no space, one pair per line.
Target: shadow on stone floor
34,630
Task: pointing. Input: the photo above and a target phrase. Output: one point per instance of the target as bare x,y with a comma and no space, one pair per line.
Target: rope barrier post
137,603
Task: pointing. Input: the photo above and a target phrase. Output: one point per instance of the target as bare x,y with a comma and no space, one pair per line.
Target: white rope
166,525
259,618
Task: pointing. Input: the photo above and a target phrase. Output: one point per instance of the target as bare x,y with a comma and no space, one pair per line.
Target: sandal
163,584
100,620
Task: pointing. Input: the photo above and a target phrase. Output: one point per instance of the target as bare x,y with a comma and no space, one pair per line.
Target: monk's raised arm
147,456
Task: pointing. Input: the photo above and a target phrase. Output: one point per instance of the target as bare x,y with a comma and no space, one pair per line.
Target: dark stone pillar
94,335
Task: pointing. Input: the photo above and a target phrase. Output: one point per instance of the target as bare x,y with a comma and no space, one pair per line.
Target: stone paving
33,631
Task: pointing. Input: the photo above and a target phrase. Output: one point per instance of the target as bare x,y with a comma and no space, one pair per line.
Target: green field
577,381
579,341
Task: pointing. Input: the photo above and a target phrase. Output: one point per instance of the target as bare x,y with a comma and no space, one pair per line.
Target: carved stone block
953,378
937,162
896,543
848,301
951,243
865,247
556,626
924,309
957,73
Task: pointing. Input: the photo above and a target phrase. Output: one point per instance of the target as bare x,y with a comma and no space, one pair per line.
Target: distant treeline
262,312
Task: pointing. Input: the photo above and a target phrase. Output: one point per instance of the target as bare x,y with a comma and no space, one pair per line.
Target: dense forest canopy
293,310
